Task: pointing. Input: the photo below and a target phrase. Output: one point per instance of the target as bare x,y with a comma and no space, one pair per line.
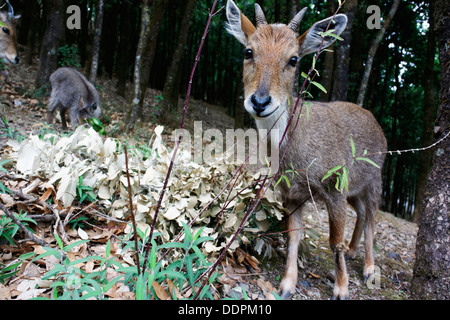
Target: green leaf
57,269
353,147
75,262
202,239
170,274
111,283
277,297
48,252
344,179
108,248
330,33
172,245
318,85
11,267
330,172
141,288
287,181
369,161
58,240
200,255
73,245
187,231
153,255
2,24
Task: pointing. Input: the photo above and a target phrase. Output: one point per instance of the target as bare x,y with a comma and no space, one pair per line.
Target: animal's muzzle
260,103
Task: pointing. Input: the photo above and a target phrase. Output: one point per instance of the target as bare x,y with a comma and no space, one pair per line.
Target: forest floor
25,110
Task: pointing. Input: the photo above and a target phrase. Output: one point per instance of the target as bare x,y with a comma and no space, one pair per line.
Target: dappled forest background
401,90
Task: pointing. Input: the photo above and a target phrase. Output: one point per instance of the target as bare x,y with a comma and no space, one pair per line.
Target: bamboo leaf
369,161
318,85
330,172
353,147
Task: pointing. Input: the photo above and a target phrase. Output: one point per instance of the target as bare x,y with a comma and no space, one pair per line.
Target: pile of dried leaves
56,167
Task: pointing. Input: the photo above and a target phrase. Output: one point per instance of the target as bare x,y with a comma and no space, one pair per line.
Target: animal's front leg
295,234
337,216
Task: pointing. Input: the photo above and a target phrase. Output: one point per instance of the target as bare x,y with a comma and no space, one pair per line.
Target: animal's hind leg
52,105
337,216
360,209
295,234
369,266
62,112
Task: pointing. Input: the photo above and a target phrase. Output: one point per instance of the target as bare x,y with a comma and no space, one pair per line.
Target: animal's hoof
338,297
286,295
368,273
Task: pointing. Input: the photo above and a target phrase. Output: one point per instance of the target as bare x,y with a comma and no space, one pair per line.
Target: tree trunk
327,74
173,78
29,15
144,56
431,278
53,40
340,85
96,41
429,107
124,66
373,50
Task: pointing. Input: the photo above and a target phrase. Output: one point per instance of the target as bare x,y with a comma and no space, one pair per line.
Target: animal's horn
295,23
10,9
259,15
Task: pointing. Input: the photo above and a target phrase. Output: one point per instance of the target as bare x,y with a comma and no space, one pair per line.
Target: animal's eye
248,53
5,30
293,61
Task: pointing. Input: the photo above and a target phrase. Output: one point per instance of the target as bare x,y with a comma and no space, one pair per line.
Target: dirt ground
24,108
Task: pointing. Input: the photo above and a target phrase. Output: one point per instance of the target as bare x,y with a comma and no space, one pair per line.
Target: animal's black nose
260,103
16,60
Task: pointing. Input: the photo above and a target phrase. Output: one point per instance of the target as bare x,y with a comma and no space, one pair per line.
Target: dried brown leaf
161,293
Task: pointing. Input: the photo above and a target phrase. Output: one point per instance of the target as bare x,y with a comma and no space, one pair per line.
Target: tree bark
144,56
96,41
431,279
373,50
328,65
123,68
53,40
172,84
340,86
429,108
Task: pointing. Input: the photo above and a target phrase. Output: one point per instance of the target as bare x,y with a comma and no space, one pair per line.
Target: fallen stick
22,226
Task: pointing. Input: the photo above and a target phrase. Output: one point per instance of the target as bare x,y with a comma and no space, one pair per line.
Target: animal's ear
80,104
312,39
238,24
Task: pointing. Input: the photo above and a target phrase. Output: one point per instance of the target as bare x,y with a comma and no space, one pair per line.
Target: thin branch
22,226
133,219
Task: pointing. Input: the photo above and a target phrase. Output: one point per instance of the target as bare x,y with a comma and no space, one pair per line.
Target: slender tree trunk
53,40
32,19
340,83
144,56
431,278
373,50
327,74
172,84
143,39
96,41
124,65
429,107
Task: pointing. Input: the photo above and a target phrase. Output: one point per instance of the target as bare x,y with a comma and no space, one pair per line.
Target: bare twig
56,212
130,198
22,226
